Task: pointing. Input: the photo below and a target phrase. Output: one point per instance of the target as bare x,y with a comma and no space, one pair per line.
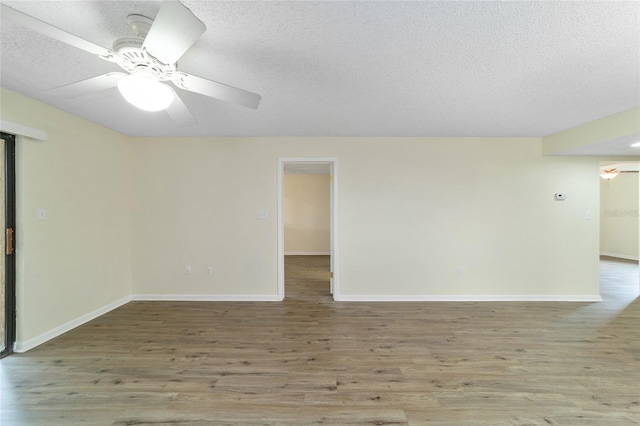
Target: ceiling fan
149,59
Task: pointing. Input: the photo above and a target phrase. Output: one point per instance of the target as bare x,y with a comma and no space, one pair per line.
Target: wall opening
620,218
307,222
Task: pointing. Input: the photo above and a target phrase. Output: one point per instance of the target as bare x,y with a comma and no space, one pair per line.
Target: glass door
7,256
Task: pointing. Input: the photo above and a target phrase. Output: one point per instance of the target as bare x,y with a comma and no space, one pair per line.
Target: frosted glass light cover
609,174
145,93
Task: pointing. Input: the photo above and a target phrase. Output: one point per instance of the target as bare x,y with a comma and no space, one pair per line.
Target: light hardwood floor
309,360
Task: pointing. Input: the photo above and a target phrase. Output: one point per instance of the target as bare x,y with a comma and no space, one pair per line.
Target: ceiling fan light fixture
145,92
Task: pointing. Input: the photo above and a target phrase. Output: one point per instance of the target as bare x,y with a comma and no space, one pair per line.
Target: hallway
307,278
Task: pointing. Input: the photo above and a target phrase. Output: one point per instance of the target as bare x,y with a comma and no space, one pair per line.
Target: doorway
323,166
619,218
7,258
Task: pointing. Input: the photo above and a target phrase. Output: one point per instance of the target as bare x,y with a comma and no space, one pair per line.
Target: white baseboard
468,298
307,253
619,256
23,346
206,297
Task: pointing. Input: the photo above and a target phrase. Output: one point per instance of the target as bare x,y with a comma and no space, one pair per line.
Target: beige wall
619,216
307,215
79,260
127,214
410,211
196,202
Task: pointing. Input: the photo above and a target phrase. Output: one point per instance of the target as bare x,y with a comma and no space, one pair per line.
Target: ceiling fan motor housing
134,59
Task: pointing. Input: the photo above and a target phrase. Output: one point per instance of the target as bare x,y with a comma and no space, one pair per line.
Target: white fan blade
51,31
173,32
83,87
179,112
216,90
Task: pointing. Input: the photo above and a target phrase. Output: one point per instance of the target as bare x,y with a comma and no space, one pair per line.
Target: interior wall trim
471,298
23,346
20,130
206,297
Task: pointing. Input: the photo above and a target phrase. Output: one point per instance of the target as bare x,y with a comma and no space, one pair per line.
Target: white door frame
333,162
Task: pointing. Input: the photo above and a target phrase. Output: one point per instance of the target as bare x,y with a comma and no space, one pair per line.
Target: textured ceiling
451,68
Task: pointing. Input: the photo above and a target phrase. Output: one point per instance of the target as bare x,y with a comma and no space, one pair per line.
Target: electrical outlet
209,270
187,270
458,270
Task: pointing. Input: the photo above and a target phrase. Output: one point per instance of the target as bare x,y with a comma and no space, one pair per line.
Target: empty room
320,212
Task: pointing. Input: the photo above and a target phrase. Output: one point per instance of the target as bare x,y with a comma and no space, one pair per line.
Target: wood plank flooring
309,360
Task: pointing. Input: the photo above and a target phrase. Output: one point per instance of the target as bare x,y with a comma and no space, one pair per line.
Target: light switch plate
42,213
263,214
